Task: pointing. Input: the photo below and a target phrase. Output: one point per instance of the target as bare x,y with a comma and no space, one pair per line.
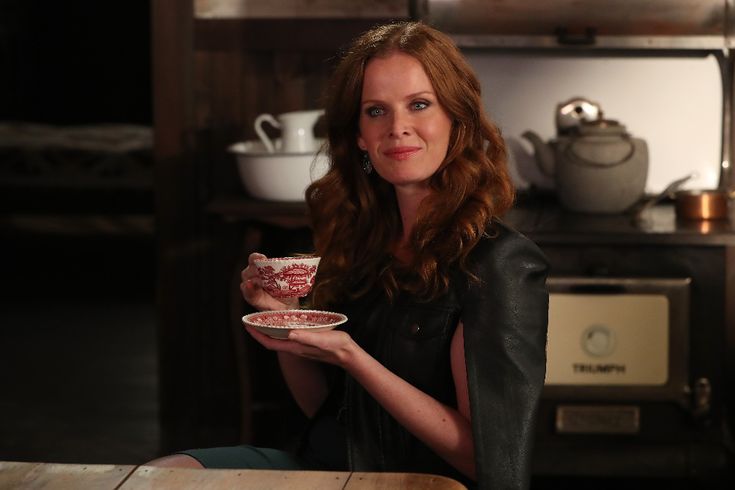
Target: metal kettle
598,167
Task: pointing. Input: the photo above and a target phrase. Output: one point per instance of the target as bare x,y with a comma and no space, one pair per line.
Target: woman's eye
419,105
374,111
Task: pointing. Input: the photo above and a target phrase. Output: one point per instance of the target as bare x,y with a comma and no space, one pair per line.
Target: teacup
287,277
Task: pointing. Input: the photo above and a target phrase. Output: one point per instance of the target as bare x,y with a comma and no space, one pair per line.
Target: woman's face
402,126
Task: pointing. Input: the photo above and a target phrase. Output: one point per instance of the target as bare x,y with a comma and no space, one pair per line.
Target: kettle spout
543,152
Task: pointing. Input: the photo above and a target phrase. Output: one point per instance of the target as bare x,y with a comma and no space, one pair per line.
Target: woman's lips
401,152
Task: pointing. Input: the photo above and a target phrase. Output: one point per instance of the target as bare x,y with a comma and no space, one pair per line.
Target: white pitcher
297,131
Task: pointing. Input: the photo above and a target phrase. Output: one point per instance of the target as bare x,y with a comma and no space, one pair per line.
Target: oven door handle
597,288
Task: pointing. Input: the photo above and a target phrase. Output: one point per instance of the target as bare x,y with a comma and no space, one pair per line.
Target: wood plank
729,351
176,215
198,382
301,35
299,8
608,17
396,481
61,476
282,214
151,477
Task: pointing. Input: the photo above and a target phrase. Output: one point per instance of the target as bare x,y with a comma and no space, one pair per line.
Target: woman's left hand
333,347
444,428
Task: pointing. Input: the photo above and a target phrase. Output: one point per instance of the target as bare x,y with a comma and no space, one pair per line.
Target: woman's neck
409,201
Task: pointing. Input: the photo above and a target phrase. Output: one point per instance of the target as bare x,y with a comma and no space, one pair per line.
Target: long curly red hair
354,216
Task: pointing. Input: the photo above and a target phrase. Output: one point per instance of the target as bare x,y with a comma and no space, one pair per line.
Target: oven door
613,343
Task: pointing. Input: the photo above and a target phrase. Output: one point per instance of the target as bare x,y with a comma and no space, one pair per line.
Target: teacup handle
261,134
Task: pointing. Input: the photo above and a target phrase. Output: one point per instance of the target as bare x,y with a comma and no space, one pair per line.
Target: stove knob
598,340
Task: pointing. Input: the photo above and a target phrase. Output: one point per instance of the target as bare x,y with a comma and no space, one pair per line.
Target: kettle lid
601,126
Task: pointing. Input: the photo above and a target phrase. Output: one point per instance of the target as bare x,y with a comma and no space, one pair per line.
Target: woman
441,364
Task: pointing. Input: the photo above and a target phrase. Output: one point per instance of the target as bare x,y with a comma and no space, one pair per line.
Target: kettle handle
583,161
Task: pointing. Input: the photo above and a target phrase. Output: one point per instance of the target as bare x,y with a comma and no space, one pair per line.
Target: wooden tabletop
23,475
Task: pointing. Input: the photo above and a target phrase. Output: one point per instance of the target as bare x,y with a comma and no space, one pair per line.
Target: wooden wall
235,81
212,77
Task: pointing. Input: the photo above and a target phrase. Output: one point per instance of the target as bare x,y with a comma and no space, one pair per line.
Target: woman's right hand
252,290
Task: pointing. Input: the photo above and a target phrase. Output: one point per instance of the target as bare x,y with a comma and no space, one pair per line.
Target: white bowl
277,176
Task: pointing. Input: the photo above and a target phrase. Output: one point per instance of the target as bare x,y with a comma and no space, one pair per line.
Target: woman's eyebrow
409,96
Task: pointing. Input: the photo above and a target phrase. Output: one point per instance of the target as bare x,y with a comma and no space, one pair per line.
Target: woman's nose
399,124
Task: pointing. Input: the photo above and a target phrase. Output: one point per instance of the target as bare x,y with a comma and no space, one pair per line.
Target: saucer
277,324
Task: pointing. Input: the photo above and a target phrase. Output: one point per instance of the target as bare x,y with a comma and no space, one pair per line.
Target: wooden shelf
548,223
244,208
302,9
542,221
301,35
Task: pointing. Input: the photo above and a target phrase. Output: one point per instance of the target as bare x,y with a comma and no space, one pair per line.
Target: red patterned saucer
277,324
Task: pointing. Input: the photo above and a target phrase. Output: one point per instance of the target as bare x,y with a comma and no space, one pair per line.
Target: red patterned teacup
287,277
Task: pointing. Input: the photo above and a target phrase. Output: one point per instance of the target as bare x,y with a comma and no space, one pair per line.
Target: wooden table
128,477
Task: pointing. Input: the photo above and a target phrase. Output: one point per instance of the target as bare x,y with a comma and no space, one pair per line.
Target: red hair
354,215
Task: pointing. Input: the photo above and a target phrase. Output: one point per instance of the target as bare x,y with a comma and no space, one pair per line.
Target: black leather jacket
505,321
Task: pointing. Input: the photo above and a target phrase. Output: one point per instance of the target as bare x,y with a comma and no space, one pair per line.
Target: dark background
77,308
75,62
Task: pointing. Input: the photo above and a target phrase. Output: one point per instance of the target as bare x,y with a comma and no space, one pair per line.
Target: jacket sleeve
505,318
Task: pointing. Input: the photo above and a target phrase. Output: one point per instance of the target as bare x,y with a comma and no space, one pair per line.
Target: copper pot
700,204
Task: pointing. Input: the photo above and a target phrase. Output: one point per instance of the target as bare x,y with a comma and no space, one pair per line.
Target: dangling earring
367,165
